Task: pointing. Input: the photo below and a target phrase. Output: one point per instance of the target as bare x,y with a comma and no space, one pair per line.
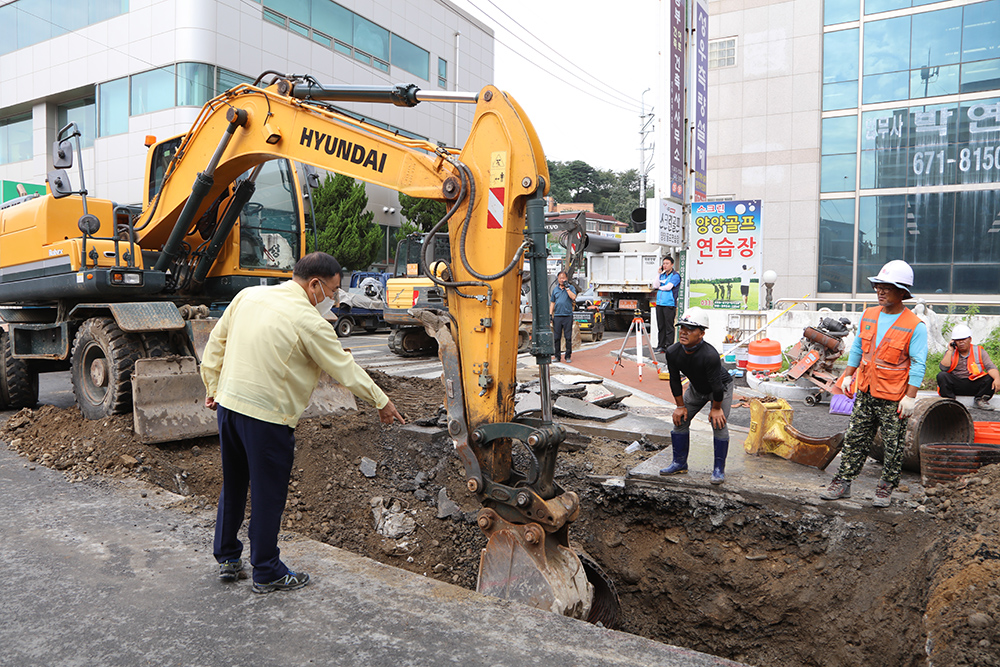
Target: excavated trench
755,578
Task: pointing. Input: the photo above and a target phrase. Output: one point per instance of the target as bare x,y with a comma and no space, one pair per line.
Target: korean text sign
724,258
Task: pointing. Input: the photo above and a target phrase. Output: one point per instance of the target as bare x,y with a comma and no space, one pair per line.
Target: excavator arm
493,187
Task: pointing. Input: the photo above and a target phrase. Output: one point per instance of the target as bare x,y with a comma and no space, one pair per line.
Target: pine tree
345,229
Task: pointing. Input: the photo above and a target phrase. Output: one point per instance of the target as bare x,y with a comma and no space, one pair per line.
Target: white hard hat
694,317
961,332
898,273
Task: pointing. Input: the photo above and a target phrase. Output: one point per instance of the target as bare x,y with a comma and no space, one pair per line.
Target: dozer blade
525,564
169,400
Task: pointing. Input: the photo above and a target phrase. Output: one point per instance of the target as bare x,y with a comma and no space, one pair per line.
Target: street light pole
643,131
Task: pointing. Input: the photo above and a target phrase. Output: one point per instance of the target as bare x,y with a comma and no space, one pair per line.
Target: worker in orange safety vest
884,370
967,370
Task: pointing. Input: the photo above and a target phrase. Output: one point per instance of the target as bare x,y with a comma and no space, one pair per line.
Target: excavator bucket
523,563
771,432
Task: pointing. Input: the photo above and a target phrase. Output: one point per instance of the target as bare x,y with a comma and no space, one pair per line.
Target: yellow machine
89,285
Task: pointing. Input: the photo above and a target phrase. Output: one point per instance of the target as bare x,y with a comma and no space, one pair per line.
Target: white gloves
906,405
846,383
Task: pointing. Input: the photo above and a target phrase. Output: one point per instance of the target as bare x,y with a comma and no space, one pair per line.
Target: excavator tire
18,384
101,367
156,344
411,342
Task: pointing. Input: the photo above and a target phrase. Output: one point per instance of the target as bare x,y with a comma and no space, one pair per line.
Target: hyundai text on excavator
95,287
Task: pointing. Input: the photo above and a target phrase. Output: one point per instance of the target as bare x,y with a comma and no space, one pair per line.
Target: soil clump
744,576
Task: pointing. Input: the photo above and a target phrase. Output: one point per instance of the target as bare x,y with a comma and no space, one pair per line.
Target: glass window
841,11
722,53
885,87
836,244
933,81
442,73
837,173
269,233
34,24
15,139
884,169
102,10
340,47
298,28
293,9
226,79
980,31
152,90
332,19
887,45
371,39
929,221
937,38
410,58
977,236
876,6
840,56
8,19
84,114
113,110
194,84
274,17
982,75
880,234
840,135
72,16
320,38
840,95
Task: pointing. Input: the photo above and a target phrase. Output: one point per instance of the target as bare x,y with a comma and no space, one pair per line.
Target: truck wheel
101,367
18,383
344,327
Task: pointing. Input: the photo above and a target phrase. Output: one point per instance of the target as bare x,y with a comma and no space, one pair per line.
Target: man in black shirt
708,381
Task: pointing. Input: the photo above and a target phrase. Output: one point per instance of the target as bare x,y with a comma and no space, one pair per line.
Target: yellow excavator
99,288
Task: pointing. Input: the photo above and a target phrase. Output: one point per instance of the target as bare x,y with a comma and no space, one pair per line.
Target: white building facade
126,69
870,130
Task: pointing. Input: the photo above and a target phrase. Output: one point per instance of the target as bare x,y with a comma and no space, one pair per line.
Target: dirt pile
745,577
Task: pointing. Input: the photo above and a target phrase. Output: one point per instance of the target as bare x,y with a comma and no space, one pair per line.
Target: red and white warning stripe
494,209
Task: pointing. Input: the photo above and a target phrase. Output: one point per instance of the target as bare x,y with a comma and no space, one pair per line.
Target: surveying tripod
640,332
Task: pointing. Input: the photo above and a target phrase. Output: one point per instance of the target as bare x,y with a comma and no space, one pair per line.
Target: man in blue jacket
561,309
667,289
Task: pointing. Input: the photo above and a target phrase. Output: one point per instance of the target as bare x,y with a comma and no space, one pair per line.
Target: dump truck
622,278
99,288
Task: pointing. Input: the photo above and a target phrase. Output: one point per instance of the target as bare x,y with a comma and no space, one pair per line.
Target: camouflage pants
870,415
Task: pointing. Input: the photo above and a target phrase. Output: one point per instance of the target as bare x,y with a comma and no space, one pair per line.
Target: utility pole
645,129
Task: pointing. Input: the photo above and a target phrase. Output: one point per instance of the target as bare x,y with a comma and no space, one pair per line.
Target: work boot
680,442
839,488
883,494
721,451
983,403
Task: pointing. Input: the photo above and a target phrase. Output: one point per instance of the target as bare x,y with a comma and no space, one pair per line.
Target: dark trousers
258,455
562,327
949,386
665,326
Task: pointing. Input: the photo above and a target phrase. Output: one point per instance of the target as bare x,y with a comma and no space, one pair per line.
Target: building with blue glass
871,131
125,69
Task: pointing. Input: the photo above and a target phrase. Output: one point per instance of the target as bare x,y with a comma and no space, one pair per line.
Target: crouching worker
708,381
260,367
967,370
889,355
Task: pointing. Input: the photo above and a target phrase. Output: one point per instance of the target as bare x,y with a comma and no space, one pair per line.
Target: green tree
422,213
344,228
612,193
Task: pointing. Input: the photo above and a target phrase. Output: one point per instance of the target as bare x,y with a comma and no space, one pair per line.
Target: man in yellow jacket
260,366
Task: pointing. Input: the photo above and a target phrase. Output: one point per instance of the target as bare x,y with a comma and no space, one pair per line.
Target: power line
633,105
625,96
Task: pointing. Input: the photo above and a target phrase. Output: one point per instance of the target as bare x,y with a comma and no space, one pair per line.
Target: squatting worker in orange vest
967,370
889,355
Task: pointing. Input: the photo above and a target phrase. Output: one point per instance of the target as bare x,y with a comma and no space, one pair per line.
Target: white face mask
326,304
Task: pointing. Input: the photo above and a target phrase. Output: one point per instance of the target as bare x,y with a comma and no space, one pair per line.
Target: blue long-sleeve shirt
918,347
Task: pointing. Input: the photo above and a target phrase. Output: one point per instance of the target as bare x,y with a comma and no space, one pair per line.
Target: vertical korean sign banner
675,131
724,259
700,100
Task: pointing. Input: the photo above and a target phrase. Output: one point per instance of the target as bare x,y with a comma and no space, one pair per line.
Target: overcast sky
613,41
